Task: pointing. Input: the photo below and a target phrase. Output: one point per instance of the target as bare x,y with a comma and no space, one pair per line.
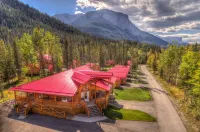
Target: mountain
67,18
109,24
178,40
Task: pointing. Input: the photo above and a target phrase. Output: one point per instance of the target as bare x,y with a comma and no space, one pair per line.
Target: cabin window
22,94
66,99
40,96
31,96
86,88
100,94
85,94
45,97
58,98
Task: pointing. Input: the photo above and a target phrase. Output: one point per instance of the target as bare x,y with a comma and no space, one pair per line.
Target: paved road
167,116
40,123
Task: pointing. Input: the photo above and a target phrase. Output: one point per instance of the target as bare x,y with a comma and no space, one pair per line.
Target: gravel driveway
167,116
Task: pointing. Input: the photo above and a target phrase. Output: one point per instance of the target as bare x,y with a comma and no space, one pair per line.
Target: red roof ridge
80,77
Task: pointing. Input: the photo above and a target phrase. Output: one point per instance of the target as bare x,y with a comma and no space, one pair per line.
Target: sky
177,18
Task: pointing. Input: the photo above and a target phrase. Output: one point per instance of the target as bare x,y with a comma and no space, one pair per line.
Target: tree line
29,48
180,66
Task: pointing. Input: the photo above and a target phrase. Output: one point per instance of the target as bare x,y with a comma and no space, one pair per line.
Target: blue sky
52,7
179,18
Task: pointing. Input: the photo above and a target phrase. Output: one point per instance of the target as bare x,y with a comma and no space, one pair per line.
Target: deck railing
21,98
58,103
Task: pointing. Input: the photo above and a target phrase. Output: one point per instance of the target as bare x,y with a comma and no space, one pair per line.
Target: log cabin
94,66
74,91
121,72
46,62
110,63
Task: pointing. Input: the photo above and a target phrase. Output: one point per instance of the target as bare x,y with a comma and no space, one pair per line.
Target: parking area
40,123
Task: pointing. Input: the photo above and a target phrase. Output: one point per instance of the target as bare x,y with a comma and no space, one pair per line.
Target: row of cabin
34,69
69,92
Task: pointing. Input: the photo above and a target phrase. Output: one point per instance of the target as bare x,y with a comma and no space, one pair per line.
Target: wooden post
34,97
72,102
55,99
95,90
42,98
15,96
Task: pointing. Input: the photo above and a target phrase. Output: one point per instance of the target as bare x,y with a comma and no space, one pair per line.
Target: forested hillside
179,66
17,18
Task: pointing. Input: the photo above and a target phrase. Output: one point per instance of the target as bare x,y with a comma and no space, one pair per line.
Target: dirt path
146,106
130,126
167,116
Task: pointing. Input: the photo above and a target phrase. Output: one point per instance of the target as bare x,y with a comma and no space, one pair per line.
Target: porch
59,106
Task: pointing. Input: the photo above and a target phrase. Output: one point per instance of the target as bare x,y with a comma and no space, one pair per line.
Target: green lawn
125,114
136,94
106,68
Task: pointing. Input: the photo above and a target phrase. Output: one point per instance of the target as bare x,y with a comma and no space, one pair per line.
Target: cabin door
87,99
85,96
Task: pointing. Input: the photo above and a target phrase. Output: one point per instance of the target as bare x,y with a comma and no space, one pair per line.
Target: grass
106,68
15,82
126,114
8,95
136,94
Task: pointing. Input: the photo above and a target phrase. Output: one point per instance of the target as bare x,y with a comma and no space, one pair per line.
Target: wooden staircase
21,110
91,110
94,111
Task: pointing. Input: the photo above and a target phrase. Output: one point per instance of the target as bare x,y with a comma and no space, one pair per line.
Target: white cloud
185,26
78,12
145,11
191,38
157,16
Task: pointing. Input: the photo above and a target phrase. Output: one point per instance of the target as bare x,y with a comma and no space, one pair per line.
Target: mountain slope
17,18
109,24
67,18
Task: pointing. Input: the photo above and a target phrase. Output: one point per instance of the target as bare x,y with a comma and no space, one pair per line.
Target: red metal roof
129,62
50,67
114,79
84,67
47,57
80,77
120,71
90,64
103,85
97,74
66,83
111,62
58,84
121,66
120,75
